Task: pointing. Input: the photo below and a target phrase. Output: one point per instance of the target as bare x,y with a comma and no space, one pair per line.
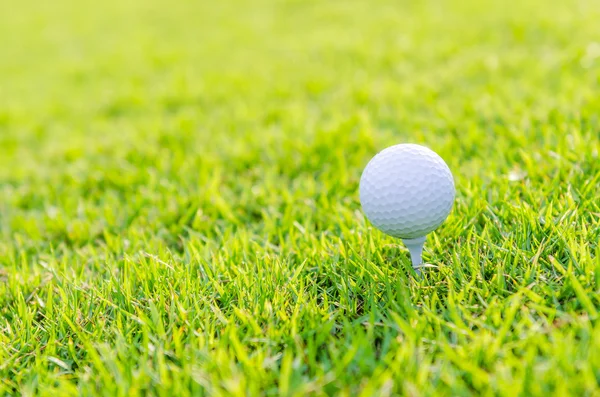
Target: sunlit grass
179,210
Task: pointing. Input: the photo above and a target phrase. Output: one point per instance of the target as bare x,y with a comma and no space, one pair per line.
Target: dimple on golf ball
407,191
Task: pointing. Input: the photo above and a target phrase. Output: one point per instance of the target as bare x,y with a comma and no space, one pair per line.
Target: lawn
179,209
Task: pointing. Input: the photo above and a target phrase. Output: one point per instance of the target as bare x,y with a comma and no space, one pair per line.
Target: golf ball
407,191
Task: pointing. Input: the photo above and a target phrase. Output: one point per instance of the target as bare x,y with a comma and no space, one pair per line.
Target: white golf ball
407,191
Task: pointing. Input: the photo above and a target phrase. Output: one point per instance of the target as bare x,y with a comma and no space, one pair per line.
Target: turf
179,211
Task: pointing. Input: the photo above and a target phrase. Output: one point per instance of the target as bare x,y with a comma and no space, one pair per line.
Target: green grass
179,210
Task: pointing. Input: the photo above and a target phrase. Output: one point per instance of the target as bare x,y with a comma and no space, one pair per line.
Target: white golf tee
415,247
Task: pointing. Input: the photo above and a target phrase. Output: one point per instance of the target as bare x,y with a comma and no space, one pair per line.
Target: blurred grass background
179,209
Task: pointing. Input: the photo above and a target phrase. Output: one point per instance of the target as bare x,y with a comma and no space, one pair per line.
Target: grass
179,211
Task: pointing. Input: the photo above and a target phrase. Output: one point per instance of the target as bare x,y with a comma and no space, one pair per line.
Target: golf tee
415,247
